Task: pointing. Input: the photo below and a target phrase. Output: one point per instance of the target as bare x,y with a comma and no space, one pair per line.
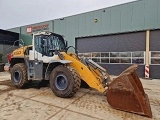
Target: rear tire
64,81
19,75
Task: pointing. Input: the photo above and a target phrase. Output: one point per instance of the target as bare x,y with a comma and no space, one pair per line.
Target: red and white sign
147,71
31,29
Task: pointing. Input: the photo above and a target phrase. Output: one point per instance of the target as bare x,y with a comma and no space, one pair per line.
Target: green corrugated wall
17,29
134,16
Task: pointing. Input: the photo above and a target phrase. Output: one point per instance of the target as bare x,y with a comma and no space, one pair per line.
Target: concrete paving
41,104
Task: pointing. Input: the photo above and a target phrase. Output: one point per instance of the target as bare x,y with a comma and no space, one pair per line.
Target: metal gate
108,46
155,54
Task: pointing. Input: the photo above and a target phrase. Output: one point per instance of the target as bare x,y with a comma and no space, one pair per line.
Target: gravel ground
36,103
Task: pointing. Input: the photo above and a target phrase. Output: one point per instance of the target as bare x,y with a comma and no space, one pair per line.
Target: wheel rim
16,76
61,82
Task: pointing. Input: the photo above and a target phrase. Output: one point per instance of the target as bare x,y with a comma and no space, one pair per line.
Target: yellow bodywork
91,76
20,51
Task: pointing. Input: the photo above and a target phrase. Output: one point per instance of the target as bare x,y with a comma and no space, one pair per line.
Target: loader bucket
126,93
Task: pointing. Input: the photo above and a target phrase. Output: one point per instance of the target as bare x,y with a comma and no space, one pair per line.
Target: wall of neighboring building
7,40
16,30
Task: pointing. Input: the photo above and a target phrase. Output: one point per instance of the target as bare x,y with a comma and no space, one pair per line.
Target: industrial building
8,42
115,37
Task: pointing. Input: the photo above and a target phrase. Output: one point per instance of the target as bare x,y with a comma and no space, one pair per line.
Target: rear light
9,57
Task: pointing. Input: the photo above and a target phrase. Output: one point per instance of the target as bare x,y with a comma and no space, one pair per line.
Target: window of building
116,57
138,57
155,57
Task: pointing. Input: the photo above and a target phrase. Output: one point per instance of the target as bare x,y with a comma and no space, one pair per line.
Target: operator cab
46,43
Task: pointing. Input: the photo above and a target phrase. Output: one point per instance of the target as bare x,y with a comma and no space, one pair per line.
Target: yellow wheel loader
48,59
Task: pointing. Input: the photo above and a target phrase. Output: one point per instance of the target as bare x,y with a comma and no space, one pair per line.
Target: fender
54,62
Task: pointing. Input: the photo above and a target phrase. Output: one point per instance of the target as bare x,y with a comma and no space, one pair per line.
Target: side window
37,45
41,44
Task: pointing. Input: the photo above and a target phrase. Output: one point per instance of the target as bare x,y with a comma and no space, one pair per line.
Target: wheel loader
48,59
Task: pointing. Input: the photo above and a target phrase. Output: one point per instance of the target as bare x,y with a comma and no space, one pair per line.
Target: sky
16,13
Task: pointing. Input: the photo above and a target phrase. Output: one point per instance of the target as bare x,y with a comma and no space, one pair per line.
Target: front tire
64,81
19,75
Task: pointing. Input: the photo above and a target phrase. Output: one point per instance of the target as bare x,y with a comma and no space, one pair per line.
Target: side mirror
76,51
21,43
66,43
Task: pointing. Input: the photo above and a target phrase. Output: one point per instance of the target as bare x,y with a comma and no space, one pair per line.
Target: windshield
46,43
55,42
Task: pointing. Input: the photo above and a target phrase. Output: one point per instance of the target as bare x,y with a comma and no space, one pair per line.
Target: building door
115,52
155,54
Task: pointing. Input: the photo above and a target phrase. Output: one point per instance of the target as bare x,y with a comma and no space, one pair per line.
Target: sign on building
32,29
